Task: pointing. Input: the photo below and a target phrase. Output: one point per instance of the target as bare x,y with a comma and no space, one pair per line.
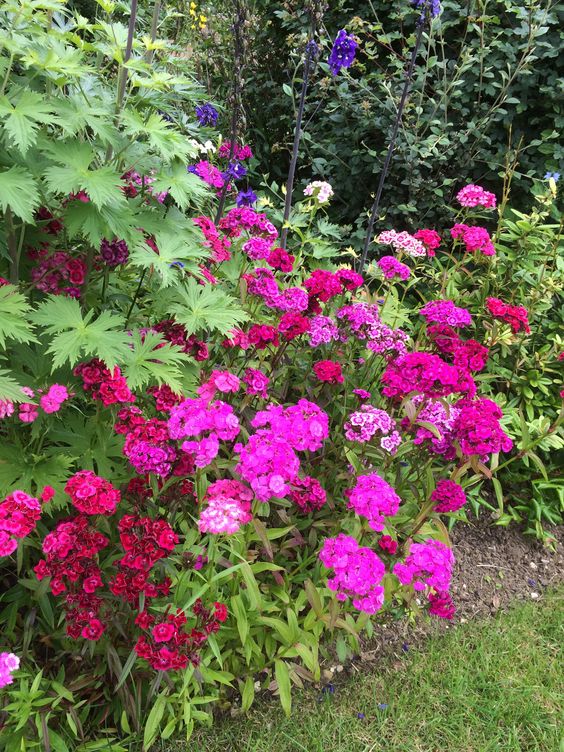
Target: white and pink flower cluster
320,190
8,664
368,421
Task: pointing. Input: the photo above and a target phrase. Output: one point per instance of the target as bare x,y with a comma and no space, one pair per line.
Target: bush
216,453
485,88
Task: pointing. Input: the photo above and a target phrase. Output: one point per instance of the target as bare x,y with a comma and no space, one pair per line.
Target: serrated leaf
177,255
182,185
10,389
162,137
206,308
145,364
23,116
13,310
76,337
18,190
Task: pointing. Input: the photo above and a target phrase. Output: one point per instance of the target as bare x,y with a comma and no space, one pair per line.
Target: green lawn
495,686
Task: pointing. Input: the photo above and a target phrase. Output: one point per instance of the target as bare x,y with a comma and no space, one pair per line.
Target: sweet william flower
328,371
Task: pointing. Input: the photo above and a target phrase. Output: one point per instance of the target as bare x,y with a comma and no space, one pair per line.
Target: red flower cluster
292,325
145,541
169,644
176,335
147,445
516,316
110,387
278,258
323,285
430,239
308,494
91,494
165,398
57,273
262,336
71,550
329,371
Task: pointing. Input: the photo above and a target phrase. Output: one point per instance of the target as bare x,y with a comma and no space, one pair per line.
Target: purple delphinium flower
554,175
234,170
343,52
114,252
427,6
246,198
207,114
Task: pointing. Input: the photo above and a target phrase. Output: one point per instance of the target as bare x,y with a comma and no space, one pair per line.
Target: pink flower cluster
320,190
257,382
268,463
516,316
358,572
445,312
8,664
241,219
19,514
138,183
372,497
304,425
474,239
322,330
328,371
263,284
58,273
91,494
208,173
429,564
391,267
427,374
365,423
240,153
448,497
293,325
474,195
402,242
217,243
228,508
442,418
28,412
364,323
219,381
430,239
147,445
109,387
52,401
210,422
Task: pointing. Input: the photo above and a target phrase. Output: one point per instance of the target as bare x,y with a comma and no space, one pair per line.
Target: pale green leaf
145,364
206,308
13,321
22,117
18,190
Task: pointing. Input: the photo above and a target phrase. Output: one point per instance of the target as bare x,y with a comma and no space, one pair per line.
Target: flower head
343,52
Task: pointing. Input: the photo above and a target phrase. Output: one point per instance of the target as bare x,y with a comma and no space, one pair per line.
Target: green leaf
145,364
10,389
248,694
182,185
164,139
177,255
76,337
153,720
13,310
206,308
18,190
284,686
22,118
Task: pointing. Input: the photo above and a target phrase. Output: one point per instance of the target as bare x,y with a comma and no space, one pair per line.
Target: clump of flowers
448,497
323,285
109,387
391,267
308,494
474,239
472,196
477,428
114,252
320,190
206,114
402,242
467,354
305,425
58,273
170,645
358,572
52,401
19,514
329,371
372,497
322,330
343,52
368,421
9,662
209,421
268,464
428,565
148,448
91,494
430,239
228,508
516,316
257,382
427,374
443,419
445,312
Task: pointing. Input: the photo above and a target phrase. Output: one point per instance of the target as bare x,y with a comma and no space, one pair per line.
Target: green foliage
205,307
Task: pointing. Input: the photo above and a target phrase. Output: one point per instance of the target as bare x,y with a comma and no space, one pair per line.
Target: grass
492,686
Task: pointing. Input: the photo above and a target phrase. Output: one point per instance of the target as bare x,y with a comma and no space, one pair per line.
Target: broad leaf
18,190
206,308
23,116
13,310
145,364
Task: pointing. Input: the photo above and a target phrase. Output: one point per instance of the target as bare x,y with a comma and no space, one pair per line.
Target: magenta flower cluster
372,497
427,374
448,496
228,508
8,664
472,196
428,564
358,572
445,312
403,242
391,267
